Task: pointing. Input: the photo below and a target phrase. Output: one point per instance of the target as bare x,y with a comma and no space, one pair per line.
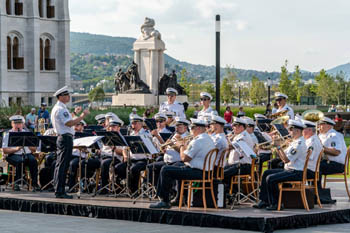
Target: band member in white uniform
100,118
62,123
205,101
107,154
193,156
171,154
314,144
236,159
294,158
161,119
138,161
334,148
217,124
172,105
281,100
18,155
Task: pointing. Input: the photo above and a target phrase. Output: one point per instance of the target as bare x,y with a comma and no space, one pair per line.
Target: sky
255,34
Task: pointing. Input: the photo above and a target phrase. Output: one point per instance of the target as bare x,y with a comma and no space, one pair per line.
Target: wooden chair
220,167
12,174
345,174
248,180
301,186
208,177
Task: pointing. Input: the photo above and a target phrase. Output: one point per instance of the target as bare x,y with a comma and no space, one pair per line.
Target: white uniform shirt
5,143
171,155
106,151
59,117
198,149
296,153
290,112
335,140
234,156
313,143
141,132
254,138
202,113
220,142
176,107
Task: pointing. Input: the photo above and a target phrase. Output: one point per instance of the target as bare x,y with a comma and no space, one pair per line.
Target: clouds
255,34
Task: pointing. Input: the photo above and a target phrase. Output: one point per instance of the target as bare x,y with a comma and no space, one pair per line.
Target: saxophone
41,126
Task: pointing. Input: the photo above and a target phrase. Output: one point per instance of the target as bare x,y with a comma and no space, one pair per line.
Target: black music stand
138,146
48,145
22,139
113,139
151,123
165,136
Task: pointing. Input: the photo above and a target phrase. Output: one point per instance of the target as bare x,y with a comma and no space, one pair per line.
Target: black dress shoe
36,188
64,196
260,205
16,188
160,205
273,207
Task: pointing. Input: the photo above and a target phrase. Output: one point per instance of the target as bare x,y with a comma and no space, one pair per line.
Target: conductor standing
62,123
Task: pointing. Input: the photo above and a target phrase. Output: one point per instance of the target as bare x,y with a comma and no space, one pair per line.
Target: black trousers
64,156
276,163
232,170
169,173
262,158
50,162
27,160
91,165
269,191
329,168
105,164
136,167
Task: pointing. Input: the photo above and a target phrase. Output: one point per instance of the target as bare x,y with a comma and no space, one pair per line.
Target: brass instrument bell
313,115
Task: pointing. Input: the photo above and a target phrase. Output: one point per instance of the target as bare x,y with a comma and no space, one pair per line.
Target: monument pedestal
134,100
179,98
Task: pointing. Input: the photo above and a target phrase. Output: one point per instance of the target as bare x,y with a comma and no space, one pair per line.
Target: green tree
285,83
296,86
325,85
97,95
185,82
226,93
257,91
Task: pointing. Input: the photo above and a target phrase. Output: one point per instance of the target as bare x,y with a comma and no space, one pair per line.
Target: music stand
151,123
141,145
48,145
113,139
165,136
22,139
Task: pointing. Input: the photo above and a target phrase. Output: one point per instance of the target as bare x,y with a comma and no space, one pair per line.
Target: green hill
96,57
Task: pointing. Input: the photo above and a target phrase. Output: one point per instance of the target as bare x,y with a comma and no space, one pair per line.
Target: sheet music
149,145
86,141
243,148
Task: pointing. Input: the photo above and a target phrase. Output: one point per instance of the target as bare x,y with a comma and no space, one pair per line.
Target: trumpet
279,114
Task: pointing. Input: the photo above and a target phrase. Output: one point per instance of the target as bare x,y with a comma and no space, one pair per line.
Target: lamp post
217,32
239,92
268,90
346,86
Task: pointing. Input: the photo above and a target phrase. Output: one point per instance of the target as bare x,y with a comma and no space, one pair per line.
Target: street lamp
217,34
346,85
268,90
239,92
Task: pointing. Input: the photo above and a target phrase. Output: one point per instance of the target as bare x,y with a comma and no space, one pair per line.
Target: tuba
313,115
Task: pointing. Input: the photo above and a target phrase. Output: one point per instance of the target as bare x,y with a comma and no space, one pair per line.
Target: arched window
41,54
18,7
15,49
47,53
9,52
40,5
8,7
50,9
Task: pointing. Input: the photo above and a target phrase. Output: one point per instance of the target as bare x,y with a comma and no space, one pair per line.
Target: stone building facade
34,52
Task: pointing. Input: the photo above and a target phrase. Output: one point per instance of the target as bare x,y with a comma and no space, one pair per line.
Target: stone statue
170,81
130,81
148,31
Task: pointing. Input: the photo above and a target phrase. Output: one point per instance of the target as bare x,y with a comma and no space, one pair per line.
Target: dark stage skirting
176,217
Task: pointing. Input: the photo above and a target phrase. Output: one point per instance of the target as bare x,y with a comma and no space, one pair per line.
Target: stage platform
243,217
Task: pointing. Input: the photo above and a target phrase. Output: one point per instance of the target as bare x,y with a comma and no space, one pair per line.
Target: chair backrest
209,163
309,152
346,164
220,168
317,170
